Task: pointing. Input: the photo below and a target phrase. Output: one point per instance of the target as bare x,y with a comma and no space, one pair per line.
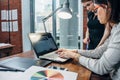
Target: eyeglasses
98,6
101,5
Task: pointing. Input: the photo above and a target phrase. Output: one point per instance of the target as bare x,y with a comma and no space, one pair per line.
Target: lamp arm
51,14
47,17
66,3
44,26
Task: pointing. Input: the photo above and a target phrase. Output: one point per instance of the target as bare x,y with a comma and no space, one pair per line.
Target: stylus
14,70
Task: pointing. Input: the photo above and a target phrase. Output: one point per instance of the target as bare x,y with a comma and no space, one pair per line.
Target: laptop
45,47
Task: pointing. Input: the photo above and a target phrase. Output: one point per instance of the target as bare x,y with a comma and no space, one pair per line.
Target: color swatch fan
47,75
42,73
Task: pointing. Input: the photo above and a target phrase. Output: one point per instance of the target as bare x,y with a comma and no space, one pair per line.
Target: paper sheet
6,75
3,14
15,26
9,26
66,74
3,26
14,14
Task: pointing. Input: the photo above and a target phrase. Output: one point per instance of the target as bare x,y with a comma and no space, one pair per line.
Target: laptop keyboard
52,56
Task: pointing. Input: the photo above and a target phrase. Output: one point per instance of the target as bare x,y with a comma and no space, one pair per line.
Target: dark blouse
96,30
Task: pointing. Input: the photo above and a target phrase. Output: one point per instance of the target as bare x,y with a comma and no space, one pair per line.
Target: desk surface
83,73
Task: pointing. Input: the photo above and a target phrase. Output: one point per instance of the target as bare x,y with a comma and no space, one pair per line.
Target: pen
14,70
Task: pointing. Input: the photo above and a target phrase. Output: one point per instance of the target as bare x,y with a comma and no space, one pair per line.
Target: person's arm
86,39
106,34
103,65
96,53
109,59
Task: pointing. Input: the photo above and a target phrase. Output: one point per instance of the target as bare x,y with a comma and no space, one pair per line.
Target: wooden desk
7,49
83,73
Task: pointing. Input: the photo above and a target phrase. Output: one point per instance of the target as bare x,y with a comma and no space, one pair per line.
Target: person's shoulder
117,26
116,29
115,37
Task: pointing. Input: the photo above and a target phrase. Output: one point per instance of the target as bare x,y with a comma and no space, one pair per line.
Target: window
68,29
68,33
42,9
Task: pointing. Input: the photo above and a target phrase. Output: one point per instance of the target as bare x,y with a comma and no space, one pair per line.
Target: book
41,73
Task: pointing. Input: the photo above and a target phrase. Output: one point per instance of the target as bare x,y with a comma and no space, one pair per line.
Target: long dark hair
85,0
115,9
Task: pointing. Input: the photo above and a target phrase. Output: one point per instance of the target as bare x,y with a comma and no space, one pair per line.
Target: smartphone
57,68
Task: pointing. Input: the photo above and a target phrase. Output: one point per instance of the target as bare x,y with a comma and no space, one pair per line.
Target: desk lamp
63,12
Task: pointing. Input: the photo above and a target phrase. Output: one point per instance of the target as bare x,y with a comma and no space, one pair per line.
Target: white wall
26,24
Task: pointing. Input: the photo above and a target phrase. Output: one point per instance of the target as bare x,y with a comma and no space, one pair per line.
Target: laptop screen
42,43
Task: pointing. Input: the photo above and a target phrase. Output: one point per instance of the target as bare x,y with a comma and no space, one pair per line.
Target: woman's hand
86,40
72,50
66,53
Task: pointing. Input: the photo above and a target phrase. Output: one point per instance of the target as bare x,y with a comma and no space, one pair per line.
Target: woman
105,58
95,30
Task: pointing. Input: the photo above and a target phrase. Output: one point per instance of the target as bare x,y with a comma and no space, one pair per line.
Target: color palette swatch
47,75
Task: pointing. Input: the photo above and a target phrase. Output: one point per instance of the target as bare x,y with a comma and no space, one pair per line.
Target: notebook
45,47
21,64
